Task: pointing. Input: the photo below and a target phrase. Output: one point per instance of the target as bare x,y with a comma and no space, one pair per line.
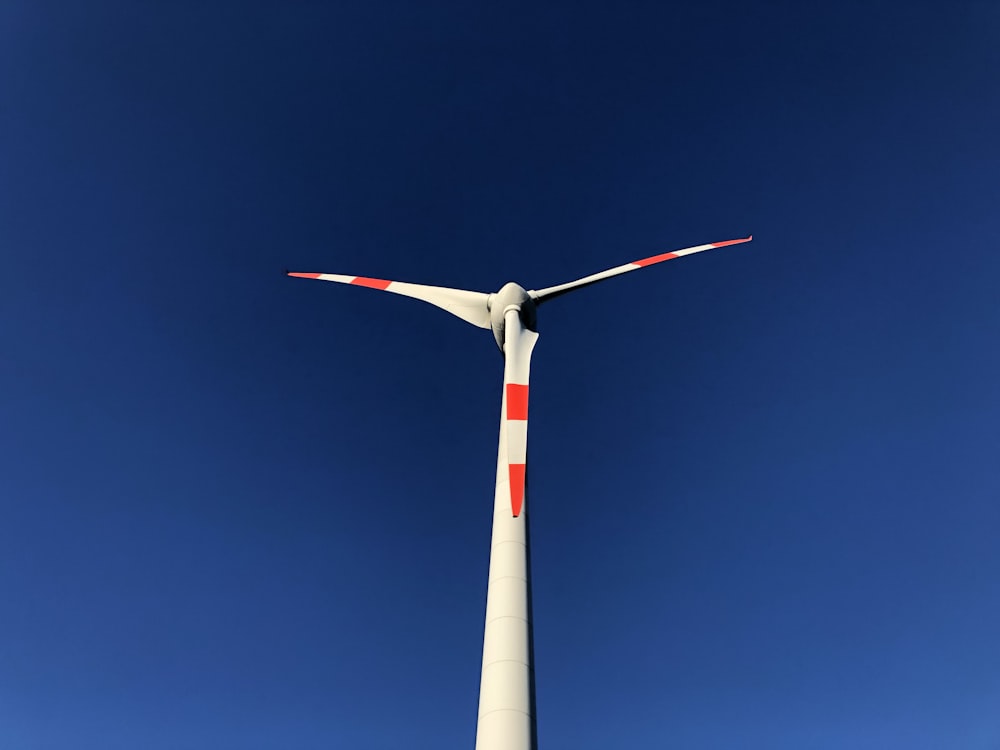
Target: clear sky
244,511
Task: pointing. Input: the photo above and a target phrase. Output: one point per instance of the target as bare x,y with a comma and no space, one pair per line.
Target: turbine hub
510,295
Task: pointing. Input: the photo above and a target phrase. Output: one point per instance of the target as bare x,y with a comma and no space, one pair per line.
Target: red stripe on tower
654,259
306,275
516,472
372,283
517,401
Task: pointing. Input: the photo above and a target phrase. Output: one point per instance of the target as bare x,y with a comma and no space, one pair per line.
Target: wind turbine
507,683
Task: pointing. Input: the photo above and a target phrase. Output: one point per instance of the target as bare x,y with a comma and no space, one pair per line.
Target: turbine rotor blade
518,345
469,306
551,292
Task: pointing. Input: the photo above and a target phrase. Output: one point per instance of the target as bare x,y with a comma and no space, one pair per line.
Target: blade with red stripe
554,291
518,345
469,306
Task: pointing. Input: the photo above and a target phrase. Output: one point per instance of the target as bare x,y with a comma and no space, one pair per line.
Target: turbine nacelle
510,295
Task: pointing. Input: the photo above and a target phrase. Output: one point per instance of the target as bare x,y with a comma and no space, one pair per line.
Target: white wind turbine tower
507,685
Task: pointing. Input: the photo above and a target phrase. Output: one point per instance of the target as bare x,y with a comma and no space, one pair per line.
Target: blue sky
246,511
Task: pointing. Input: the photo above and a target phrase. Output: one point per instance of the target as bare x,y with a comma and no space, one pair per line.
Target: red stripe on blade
654,259
373,283
516,488
732,242
306,275
517,401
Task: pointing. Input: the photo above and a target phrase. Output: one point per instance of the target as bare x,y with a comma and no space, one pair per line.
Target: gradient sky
244,511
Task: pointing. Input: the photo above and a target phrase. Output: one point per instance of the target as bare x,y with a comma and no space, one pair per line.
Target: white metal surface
469,306
554,291
507,682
